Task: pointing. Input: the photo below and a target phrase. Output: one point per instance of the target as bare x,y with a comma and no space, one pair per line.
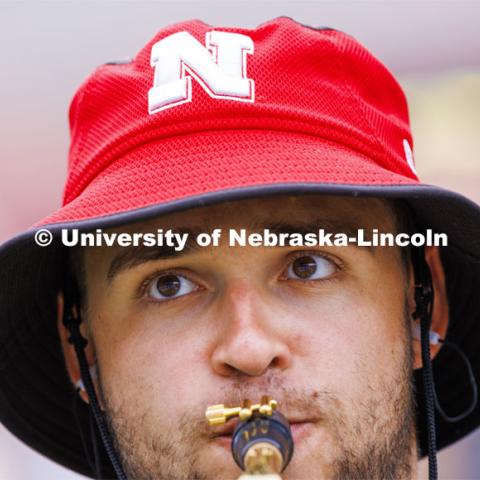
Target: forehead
301,210
281,213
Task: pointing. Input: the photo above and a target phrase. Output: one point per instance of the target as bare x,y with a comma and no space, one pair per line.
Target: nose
249,340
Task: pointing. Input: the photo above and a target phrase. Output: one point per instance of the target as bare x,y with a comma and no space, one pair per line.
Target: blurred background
47,48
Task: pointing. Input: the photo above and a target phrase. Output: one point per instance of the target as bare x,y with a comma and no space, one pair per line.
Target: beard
371,439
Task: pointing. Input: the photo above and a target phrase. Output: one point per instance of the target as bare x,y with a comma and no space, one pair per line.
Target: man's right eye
308,266
165,287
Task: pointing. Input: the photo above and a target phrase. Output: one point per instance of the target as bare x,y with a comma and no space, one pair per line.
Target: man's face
321,330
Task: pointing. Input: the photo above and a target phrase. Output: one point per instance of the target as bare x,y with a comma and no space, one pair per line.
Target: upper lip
227,428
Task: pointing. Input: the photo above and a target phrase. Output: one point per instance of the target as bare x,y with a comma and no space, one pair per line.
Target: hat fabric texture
279,109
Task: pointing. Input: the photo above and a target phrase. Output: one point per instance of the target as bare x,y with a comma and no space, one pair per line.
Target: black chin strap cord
94,440
72,320
423,312
86,448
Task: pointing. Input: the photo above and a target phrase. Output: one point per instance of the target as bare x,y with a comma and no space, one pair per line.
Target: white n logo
221,73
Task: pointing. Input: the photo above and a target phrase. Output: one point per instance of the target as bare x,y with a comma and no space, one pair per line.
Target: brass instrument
262,443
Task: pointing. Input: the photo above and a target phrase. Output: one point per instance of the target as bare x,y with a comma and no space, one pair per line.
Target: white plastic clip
434,337
93,373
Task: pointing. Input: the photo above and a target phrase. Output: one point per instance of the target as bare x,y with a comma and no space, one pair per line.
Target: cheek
151,368
349,336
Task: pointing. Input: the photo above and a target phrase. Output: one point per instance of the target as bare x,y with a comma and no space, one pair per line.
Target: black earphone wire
473,383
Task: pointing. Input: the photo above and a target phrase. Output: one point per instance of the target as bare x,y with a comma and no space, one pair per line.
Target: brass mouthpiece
262,442
219,414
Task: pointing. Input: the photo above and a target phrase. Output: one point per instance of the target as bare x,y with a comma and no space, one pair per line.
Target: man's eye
311,267
169,286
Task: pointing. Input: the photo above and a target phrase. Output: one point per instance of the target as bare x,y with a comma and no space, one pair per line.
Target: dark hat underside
36,396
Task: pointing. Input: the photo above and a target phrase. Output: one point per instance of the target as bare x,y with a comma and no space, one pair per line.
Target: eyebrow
133,256
330,226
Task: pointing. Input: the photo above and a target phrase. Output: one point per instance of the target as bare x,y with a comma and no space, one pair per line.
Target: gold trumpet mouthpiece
219,414
262,442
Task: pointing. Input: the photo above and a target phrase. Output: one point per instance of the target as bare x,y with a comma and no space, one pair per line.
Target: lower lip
299,432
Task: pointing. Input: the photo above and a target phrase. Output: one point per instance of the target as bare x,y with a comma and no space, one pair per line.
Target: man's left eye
169,286
310,267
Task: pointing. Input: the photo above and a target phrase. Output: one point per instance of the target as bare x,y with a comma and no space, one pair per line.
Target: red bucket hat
210,114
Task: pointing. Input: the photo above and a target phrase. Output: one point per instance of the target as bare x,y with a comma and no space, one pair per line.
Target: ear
440,311
69,353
